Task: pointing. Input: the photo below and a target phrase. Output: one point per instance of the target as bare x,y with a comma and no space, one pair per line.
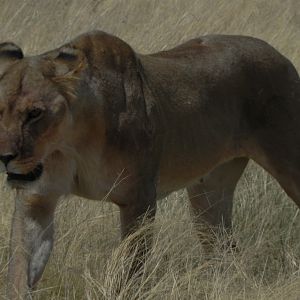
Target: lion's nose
6,158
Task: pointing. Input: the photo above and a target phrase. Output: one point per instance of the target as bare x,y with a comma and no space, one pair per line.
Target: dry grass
87,262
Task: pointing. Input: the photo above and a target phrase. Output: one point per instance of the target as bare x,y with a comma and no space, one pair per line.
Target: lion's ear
68,61
64,67
10,51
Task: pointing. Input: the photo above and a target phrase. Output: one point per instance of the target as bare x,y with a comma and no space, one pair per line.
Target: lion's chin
31,176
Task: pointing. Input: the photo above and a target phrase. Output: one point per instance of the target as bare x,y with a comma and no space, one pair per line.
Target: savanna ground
88,262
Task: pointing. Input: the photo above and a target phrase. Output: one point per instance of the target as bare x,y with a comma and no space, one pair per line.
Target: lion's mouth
31,176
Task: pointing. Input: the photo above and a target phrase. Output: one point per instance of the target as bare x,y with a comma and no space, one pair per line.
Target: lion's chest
102,178
91,187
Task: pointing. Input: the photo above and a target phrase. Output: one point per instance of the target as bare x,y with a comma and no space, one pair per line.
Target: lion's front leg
140,208
140,205
31,243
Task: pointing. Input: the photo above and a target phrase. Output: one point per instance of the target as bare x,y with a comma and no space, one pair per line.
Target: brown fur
133,128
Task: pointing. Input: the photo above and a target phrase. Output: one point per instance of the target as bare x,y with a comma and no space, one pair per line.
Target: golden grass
88,262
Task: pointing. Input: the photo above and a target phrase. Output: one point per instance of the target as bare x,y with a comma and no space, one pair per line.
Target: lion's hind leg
274,139
211,203
212,197
280,156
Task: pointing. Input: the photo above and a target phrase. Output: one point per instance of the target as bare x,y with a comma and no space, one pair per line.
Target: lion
94,118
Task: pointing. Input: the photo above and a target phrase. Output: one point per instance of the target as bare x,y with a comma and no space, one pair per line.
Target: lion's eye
34,114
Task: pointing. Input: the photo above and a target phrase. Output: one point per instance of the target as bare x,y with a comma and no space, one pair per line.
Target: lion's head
35,115
91,80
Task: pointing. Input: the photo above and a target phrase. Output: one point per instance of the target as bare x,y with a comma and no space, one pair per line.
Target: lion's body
194,114
193,89
132,128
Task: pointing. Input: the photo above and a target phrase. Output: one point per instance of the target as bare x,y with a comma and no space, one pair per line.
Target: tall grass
88,261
